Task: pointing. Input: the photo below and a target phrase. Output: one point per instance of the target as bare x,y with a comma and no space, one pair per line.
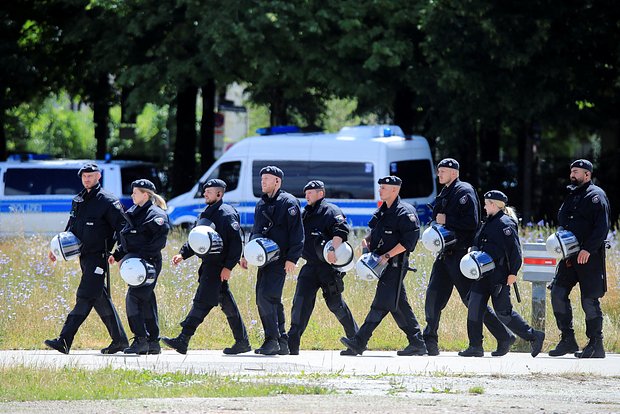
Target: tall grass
36,295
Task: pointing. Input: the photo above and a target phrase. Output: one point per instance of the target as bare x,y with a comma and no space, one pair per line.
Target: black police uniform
460,203
499,238
144,235
212,291
321,222
390,226
585,212
279,219
95,216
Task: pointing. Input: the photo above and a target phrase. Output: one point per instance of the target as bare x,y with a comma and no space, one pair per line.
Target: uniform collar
384,208
136,209
313,208
268,199
213,207
573,189
87,195
496,216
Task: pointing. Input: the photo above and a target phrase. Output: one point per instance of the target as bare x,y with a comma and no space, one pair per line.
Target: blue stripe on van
24,205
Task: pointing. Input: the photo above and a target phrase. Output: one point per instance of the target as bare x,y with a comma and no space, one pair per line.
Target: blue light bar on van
387,132
278,129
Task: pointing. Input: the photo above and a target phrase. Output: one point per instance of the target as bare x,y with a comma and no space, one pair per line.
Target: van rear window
417,176
343,180
41,181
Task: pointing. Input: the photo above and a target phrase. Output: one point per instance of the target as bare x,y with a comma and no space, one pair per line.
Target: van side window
132,173
41,181
227,171
343,180
417,177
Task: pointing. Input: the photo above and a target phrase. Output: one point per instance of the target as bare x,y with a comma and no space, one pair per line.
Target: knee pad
592,308
559,299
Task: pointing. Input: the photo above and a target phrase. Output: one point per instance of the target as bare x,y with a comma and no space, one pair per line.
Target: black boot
536,344
269,347
154,347
293,344
140,345
567,345
239,347
472,351
283,342
503,347
353,345
114,347
594,349
179,344
59,344
413,349
432,348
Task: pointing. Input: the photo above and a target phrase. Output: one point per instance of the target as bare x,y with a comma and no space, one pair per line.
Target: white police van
349,162
35,196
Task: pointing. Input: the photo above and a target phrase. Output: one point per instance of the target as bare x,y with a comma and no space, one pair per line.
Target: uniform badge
596,199
339,218
235,226
463,199
159,221
412,217
507,231
292,211
118,205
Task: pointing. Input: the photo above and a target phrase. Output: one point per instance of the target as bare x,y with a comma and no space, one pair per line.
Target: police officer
144,236
95,216
322,221
456,208
585,213
215,272
277,216
499,238
394,232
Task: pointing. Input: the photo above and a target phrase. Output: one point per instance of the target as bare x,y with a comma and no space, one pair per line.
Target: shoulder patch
292,211
159,220
463,199
507,231
235,225
596,199
118,205
339,218
412,217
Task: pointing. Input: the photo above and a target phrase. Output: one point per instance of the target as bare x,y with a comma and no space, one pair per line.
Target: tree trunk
607,174
183,173
3,153
101,114
526,158
278,109
207,126
403,110
468,155
127,129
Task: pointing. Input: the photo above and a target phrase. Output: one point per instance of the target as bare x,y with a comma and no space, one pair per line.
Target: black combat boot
594,349
413,349
283,342
293,344
239,347
536,344
503,347
59,344
140,345
432,348
567,345
179,344
269,347
154,347
354,345
114,347
472,351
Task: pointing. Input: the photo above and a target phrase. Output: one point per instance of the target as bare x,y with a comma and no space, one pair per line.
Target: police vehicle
35,196
349,162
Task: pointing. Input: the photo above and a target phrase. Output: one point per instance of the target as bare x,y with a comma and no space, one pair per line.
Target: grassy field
36,295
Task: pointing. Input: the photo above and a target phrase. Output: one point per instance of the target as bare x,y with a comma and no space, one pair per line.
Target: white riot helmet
562,244
65,245
137,272
261,251
475,265
204,240
437,238
344,256
368,267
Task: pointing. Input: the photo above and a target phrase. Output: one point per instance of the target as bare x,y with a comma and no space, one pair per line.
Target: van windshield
343,180
227,171
41,181
417,176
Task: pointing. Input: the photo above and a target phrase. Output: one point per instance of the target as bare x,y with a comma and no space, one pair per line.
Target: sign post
538,268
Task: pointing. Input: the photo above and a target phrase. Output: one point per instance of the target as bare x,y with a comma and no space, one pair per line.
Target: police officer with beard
215,272
95,216
322,221
277,216
456,208
144,236
394,233
585,213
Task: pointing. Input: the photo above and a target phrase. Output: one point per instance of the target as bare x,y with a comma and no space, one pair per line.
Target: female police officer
499,238
143,236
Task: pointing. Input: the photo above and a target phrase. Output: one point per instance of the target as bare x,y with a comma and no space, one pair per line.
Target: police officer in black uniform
585,213
456,208
394,233
499,238
322,221
95,216
277,216
144,236
215,271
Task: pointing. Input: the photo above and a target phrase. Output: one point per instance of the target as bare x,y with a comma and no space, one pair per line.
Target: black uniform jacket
95,216
226,221
499,237
279,219
585,212
145,232
322,221
460,203
390,226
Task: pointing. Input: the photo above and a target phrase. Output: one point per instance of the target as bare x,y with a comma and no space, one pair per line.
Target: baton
107,271
517,294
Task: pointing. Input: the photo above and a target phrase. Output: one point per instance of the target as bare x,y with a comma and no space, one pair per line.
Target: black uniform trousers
92,293
592,284
445,276
481,291
211,292
269,286
391,297
312,276
141,306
